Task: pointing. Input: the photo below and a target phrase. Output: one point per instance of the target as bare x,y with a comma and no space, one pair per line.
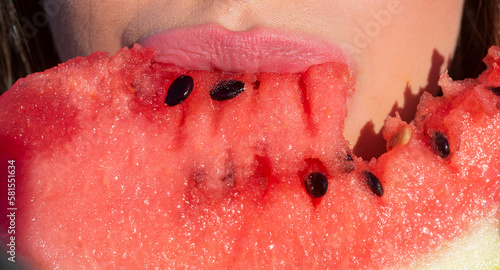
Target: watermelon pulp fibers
108,176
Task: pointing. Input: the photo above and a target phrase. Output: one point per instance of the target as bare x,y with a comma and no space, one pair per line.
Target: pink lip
211,46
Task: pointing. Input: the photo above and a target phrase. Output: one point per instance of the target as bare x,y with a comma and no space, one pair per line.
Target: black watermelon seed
225,90
179,90
316,184
349,164
440,145
374,184
494,90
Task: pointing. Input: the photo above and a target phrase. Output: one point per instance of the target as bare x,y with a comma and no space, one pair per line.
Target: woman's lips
211,46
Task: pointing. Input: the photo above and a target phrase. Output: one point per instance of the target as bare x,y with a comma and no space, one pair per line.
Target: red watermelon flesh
108,176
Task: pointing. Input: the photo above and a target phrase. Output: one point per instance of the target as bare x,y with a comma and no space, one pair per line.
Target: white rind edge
479,249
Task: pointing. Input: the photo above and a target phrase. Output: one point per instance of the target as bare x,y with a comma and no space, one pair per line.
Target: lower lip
209,47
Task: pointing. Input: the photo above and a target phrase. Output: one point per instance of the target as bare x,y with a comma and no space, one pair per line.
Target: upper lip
207,47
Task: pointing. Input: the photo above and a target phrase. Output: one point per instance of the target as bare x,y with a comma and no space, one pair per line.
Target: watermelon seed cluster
316,183
182,86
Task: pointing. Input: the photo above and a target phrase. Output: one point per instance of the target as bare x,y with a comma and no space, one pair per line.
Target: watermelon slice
121,162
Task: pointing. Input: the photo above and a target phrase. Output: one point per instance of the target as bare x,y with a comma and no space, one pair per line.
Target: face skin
399,47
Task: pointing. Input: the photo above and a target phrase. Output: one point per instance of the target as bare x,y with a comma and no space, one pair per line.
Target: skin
399,46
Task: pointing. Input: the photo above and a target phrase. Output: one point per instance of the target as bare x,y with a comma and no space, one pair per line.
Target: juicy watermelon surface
109,176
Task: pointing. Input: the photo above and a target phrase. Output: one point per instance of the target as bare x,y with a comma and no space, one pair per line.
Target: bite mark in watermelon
110,176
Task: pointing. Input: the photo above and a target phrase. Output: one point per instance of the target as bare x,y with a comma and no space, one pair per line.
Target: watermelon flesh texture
108,176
